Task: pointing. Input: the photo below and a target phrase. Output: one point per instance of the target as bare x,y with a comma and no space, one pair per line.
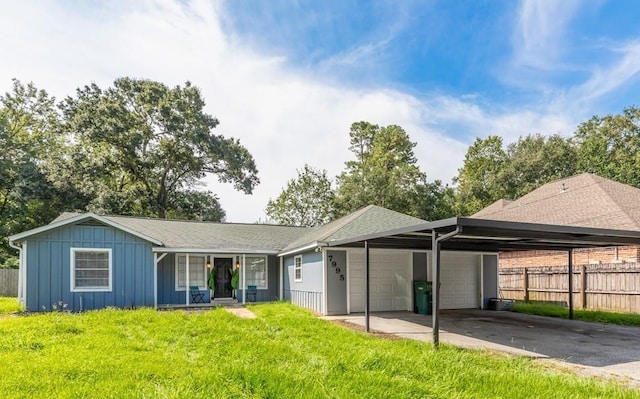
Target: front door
224,267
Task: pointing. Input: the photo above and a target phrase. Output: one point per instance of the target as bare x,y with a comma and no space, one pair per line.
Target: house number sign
336,268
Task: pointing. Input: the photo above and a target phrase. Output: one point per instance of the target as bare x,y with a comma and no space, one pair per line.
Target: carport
482,235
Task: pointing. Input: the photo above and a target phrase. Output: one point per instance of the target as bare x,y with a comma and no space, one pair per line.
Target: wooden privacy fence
613,287
9,282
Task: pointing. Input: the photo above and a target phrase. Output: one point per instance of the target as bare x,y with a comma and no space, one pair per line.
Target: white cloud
539,33
603,81
286,118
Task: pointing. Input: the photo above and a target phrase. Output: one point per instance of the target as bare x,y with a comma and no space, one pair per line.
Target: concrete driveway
597,348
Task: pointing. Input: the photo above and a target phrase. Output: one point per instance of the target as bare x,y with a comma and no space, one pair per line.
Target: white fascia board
78,219
305,248
214,251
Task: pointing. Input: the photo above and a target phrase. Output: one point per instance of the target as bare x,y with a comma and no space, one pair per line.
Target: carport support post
570,252
435,287
366,286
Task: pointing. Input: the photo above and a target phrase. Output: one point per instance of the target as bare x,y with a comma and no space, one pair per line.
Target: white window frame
72,267
204,267
297,267
266,272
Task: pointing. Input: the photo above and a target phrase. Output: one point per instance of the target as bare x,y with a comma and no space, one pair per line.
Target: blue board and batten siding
48,257
308,292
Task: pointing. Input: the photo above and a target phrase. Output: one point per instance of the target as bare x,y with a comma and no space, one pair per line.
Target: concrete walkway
591,348
240,311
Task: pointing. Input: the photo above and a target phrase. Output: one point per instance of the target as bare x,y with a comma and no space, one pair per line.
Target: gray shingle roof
585,200
368,220
209,235
261,237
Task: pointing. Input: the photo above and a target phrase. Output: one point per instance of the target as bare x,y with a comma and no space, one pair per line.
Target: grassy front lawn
9,305
624,319
284,353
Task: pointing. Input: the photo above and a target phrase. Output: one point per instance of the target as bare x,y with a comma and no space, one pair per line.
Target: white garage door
389,280
460,279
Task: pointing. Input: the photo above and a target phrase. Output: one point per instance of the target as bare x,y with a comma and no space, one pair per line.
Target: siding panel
48,266
307,293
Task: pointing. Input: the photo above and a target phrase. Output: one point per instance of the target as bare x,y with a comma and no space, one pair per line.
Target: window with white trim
91,269
256,271
297,268
197,271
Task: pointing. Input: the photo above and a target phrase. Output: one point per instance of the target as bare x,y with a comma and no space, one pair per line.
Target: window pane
256,271
297,268
196,270
91,269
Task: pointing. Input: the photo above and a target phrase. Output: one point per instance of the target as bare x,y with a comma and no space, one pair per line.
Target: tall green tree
308,200
140,148
490,172
434,201
535,160
610,146
384,171
28,134
479,180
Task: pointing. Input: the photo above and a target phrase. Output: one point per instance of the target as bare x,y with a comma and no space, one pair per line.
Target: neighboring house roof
368,220
495,207
585,200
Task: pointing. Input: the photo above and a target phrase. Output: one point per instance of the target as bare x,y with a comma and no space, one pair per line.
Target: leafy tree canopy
490,172
141,148
384,172
308,200
28,123
610,146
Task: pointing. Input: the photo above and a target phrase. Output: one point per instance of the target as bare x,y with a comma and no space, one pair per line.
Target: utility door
336,265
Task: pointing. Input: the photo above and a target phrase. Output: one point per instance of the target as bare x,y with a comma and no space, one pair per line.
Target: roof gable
583,200
67,219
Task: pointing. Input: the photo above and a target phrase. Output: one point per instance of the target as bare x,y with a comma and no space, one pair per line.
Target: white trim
295,279
72,267
78,219
20,281
281,288
303,249
187,283
481,281
244,279
25,284
155,281
177,288
346,276
325,291
217,251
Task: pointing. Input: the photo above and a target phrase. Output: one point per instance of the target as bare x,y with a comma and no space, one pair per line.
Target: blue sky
289,77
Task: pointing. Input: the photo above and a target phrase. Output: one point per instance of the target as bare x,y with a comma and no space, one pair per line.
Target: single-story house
88,261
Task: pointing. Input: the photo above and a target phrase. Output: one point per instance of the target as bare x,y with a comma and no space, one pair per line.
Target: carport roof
485,235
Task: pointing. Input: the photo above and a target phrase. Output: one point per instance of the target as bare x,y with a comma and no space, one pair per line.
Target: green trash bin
422,290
